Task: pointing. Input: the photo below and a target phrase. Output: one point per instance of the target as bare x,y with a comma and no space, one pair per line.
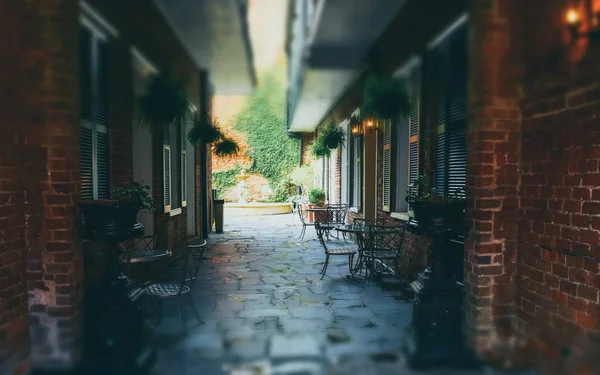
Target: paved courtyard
266,311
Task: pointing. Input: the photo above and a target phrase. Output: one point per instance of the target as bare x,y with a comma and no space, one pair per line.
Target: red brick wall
560,202
41,115
14,328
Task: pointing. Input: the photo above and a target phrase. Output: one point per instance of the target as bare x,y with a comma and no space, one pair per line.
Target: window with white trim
94,129
356,172
175,164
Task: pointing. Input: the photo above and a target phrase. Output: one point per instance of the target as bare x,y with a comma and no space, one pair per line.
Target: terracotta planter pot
312,216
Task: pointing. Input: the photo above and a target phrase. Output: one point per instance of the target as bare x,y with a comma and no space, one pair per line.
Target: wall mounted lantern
371,124
573,18
355,125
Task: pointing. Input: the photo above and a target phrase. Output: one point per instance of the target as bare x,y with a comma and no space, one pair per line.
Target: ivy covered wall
272,154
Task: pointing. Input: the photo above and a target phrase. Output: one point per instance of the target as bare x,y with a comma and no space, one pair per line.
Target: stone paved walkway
266,311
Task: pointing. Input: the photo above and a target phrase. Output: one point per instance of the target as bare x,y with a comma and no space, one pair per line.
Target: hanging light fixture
355,125
576,25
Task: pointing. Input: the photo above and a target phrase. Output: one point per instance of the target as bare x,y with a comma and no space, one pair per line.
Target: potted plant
165,101
207,131
384,97
316,199
138,194
320,149
331,137
429,209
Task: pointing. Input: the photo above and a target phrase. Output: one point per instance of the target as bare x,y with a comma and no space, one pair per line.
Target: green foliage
317,197
226,147
303,176
333,136
319,149
164,102
137,193
274,154
223,180
204,130
385,98
283,190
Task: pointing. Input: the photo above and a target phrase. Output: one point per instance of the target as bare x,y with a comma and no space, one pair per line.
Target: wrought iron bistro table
360,231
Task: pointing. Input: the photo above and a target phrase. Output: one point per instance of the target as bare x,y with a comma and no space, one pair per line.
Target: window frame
99,45
177,146
450,122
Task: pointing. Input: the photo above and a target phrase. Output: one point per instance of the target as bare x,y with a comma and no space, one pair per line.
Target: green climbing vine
224,180
273,153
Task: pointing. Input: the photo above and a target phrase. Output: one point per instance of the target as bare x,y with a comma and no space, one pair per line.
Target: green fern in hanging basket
204,130
164,102
226,147
320,148
385,98
333,136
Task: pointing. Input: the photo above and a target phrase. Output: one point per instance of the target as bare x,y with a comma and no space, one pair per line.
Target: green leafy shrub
223,180
317,197
283,191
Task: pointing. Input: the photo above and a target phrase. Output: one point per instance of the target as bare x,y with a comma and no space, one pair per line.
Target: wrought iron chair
192,260
336,215
384,244
331,250
305,222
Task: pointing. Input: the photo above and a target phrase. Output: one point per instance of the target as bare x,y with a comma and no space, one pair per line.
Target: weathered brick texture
559,230
14,332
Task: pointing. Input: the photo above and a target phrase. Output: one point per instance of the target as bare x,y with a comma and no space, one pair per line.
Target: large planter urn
109,220
114,334
446,214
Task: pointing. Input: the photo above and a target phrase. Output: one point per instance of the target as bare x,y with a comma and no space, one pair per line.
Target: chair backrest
302,213
336,214
384,238
191,266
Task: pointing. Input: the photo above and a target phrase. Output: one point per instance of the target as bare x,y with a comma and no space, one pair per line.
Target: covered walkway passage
266,311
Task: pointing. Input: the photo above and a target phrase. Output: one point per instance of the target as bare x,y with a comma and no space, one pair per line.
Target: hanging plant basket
333,136
385,98
204,130
164,102
226,147
320,149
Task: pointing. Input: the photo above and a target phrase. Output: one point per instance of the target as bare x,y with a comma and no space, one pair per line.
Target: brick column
51,185
493,145
14,330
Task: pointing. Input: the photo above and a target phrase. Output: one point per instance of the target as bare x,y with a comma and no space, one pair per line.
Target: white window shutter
184,161
166,169
387,159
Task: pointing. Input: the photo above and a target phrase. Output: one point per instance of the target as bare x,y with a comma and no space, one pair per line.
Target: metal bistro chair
304,220
336,215
192,260
331,250
384,244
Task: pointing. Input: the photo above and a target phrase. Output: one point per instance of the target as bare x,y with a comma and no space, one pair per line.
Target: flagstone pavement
266,311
